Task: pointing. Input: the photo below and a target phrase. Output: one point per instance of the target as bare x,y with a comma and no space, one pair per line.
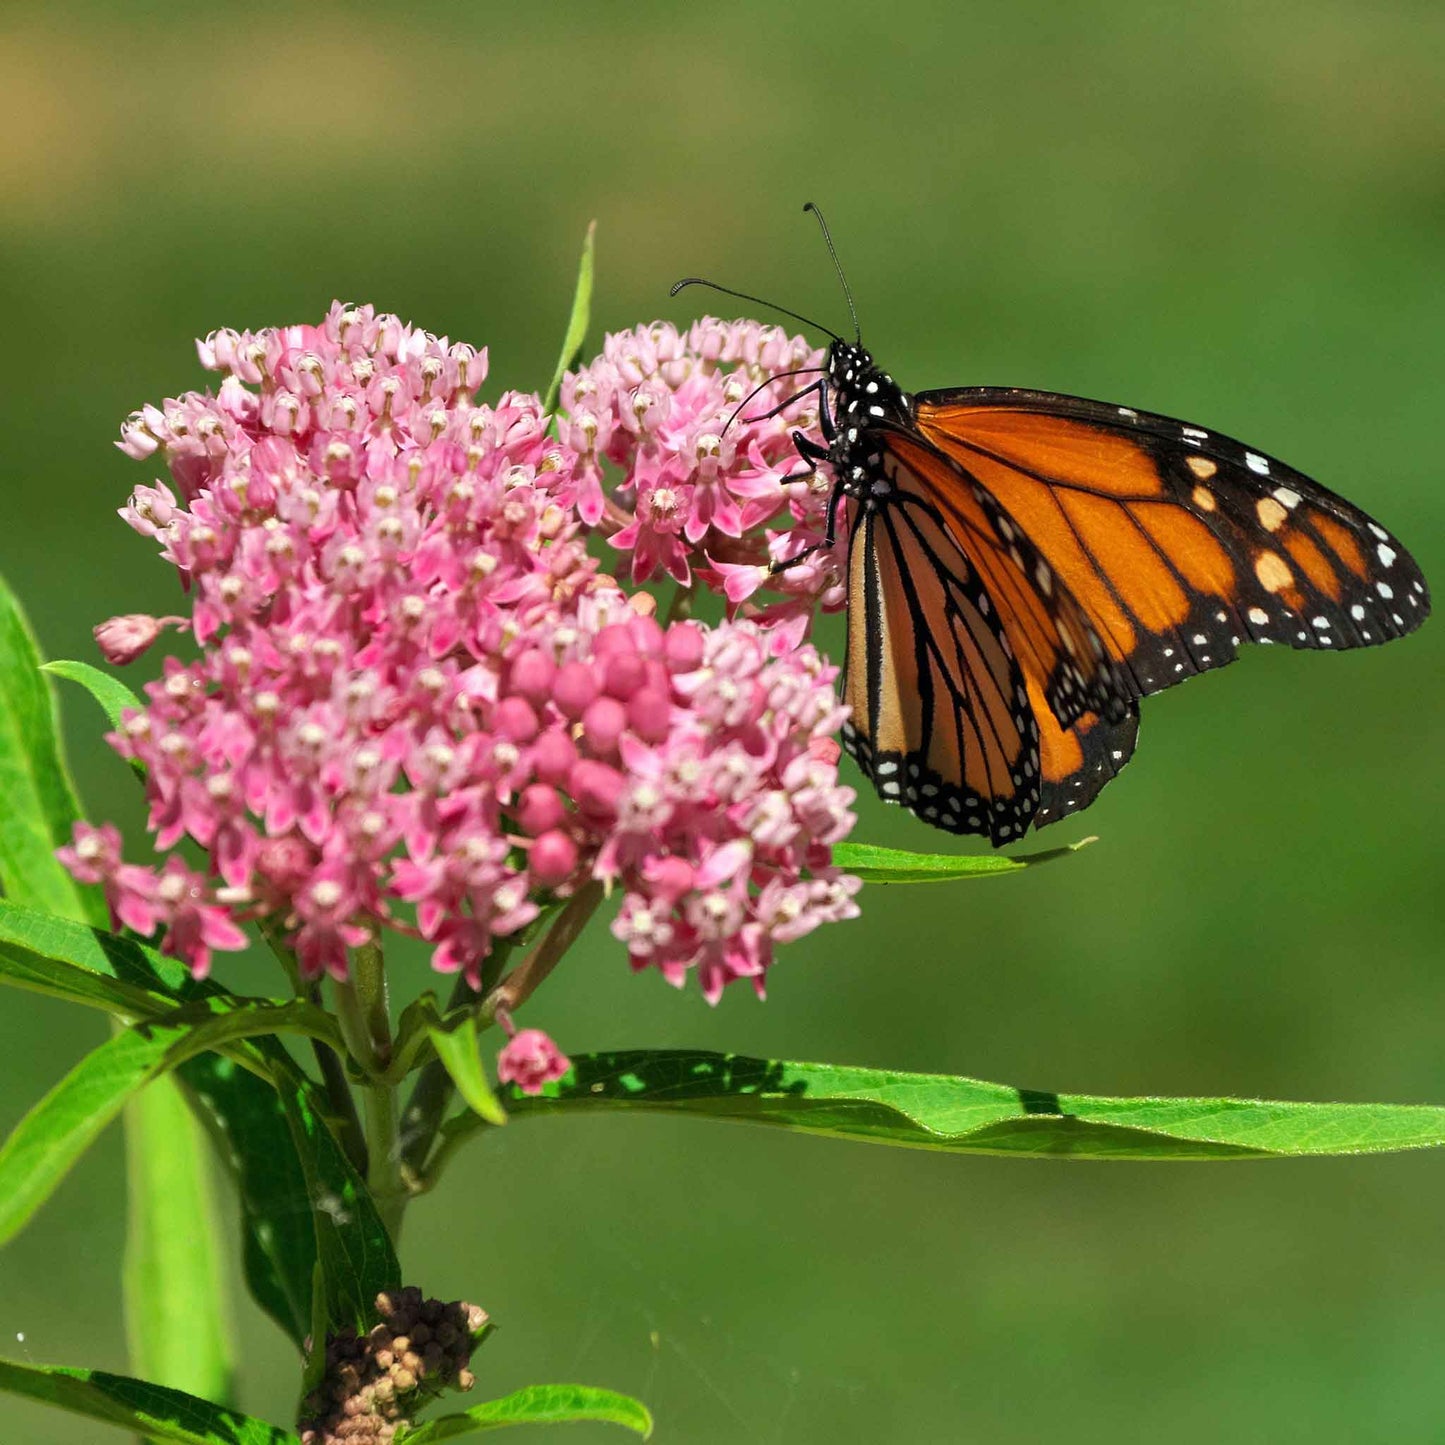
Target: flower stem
333,1074
366,1025
522,982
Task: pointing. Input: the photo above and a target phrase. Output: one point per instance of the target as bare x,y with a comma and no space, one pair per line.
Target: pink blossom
530,1060
684,445
421,708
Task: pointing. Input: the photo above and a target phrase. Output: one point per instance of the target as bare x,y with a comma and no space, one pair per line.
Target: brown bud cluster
374,1382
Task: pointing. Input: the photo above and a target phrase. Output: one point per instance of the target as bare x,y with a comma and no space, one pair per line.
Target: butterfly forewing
1179,542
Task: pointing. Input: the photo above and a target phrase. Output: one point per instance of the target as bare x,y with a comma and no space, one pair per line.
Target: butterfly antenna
838,267
756,300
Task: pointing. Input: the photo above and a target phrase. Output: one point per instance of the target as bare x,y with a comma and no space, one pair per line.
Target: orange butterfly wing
1178,543
965,652
941,719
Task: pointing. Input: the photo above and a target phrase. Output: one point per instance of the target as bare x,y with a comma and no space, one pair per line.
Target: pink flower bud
123,639
574,688
603,723
649,714
623,674
540,809
515,720
553,858
553,755
532,675
611,641
826,750
596,787
683,647
646,634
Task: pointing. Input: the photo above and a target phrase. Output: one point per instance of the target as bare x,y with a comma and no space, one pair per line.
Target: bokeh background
1227,212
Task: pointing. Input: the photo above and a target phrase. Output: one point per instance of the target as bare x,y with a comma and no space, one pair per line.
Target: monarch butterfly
1024,566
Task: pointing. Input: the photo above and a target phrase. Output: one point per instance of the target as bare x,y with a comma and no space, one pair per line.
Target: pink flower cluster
699,428
420,706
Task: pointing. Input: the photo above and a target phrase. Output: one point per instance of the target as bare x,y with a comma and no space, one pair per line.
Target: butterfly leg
812,454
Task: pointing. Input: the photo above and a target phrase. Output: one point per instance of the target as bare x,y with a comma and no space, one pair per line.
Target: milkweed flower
694,431
421,706
530,1060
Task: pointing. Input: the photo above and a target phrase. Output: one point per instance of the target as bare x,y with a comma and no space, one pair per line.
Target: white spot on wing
1256,463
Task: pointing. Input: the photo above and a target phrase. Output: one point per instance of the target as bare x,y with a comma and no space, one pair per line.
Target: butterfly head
862,394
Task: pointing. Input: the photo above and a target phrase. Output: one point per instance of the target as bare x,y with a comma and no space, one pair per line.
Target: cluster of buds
375,1382
420,705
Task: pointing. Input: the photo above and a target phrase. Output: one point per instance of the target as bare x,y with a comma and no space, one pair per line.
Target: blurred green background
1231,213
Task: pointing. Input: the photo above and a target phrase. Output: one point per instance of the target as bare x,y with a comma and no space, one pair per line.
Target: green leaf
352,1244
93,950
53,1135
25,968
255,1128
137,1405
893,865
113,695
454,1040
255,1142
39,802
536,1405
576,322
958,1115
173,1282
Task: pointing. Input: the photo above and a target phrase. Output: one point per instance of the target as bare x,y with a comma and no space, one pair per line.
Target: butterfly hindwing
941,720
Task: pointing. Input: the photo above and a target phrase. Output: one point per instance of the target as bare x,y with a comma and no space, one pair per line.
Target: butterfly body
1025,566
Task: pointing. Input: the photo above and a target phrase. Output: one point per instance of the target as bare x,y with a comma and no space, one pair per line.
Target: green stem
366,1025
328,1061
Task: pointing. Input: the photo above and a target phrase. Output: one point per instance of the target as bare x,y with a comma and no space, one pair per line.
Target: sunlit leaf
138,1406
894,865
113,695
175,1311
943,1112
577,322
255,1129
536,1405
53,1135
352,1244
39,803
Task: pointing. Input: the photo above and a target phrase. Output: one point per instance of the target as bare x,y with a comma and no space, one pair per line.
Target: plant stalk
365,1021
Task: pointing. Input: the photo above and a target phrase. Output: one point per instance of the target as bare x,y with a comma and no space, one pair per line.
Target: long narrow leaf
536,1405
137,1405
959,1115
175,1309
95,950
355,1251
39,802
455,1041
113,695
255,1142
893,865
581,314
53,1135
